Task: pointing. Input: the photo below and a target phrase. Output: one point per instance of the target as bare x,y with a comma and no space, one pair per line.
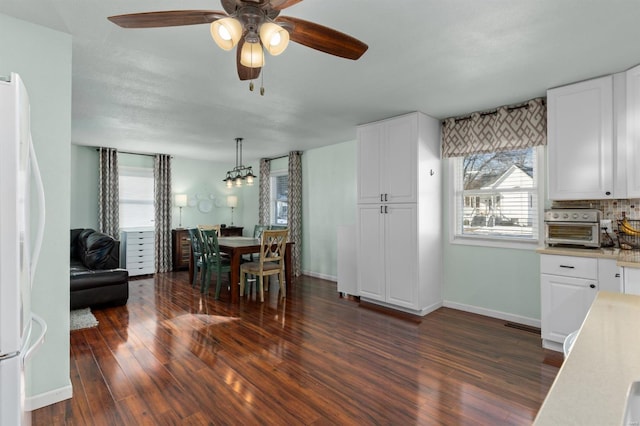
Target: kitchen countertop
591,386
628,258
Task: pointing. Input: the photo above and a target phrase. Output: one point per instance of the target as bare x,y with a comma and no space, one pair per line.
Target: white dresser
138,251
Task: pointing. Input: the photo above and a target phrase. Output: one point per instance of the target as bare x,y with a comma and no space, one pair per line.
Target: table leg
287,268
235,277
191,272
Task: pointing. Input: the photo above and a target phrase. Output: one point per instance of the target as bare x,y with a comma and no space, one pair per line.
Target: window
496,196
136,197
279,198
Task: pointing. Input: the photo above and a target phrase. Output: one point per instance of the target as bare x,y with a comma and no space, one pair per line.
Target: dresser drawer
138,249
569,266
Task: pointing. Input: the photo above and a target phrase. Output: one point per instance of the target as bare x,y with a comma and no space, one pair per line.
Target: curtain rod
484,114
133,153
283,156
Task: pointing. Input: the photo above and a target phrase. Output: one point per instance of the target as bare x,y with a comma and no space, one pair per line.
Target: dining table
235,247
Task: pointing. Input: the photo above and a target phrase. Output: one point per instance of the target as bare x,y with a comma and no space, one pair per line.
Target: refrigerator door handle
39,340
41,210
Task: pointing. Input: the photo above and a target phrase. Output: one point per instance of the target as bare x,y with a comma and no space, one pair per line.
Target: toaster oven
572,227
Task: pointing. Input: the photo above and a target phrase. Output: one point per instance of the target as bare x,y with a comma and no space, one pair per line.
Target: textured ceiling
172,90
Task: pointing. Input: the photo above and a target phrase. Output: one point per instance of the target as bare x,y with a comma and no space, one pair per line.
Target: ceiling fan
252,25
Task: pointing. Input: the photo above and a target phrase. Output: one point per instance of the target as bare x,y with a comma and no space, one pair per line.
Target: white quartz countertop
628,258
592,384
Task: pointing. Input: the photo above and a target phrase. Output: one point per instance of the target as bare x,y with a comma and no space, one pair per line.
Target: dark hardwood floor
173,357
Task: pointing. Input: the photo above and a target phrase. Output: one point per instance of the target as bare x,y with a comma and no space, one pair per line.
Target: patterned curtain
162,179
295,209
108,193
265,192
507,128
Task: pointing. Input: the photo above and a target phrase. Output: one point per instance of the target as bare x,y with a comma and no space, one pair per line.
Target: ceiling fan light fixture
252,55
274,38
226,32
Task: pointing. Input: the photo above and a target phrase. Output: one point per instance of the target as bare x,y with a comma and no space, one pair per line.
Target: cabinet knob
617,275
592,285
607,193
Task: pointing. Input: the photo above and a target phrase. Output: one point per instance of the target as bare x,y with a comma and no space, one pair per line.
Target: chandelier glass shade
258,33
226,32
251,55
239,174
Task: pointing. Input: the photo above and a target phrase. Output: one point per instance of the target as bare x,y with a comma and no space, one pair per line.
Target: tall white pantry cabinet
399,213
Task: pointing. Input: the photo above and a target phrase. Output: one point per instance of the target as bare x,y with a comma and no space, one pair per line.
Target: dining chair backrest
272,246
209,228
210,244
258,229
196,242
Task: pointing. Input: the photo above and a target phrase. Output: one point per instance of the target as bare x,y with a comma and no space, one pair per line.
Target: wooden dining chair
272,248
198,254
209,228
214,261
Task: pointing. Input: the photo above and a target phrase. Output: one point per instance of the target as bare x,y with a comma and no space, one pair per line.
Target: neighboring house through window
136,197
279,198
497,196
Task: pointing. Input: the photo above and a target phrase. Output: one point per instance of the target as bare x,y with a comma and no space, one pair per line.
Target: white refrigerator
21,204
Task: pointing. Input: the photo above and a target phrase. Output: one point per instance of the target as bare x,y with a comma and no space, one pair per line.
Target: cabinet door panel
400,163
580,140
401,243
370,236
369,161
565,302
633,132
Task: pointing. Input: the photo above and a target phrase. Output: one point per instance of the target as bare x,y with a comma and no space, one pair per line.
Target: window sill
495,242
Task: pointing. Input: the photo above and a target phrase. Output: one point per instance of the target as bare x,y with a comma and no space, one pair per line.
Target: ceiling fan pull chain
262,82
251,86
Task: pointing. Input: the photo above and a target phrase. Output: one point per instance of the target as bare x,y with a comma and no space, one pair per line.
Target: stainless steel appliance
572,227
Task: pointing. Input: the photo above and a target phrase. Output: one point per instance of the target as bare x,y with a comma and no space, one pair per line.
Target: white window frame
496,241
272,197
145,172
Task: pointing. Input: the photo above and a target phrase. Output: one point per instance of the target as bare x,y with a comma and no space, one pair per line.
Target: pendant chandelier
239,173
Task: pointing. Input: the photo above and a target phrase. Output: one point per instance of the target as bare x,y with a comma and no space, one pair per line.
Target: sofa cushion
82,279
98,249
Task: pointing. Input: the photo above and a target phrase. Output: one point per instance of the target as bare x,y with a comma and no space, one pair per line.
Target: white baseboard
321,276
532,322
47,398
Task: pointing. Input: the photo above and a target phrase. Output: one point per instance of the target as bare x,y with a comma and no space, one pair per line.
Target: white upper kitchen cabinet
633,132
387,166
580,140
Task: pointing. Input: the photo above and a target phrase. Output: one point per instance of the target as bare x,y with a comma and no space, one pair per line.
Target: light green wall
491,280
43,59
84,184
329,200
202,181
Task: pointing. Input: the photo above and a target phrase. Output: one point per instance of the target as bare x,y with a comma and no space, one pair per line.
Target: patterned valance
507,128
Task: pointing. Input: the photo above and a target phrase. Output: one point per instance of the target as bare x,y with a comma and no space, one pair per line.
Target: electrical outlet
605,224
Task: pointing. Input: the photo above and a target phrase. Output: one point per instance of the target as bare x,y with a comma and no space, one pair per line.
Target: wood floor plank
174,356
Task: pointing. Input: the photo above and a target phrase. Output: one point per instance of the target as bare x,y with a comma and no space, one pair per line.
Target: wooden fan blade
245,73
170,18
283,4
323,38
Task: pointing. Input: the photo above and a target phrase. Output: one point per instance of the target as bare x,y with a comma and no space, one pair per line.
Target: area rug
82,318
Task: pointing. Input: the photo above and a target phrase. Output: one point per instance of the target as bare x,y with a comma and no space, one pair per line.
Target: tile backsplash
611,209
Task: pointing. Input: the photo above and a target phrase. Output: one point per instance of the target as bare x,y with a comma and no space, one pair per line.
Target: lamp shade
181,200
251,55
226,32
232,201
274,38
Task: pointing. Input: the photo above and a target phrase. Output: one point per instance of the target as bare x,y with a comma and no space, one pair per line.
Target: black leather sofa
96,279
